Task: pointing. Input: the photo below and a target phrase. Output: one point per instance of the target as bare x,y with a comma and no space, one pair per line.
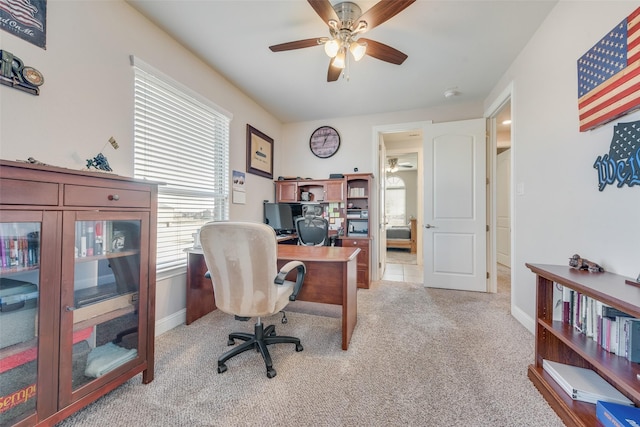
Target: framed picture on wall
259,153
26,19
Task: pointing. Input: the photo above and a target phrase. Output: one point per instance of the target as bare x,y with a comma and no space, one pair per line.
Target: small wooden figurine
584,264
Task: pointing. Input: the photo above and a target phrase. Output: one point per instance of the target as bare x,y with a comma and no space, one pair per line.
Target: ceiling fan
394,165
346,24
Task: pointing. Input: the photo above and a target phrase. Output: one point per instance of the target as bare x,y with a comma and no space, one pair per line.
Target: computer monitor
280,216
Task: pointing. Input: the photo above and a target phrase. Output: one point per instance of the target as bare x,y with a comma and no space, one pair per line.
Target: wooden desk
331,279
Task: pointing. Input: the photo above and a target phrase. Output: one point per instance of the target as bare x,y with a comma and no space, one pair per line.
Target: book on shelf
600,322
632,337
356,192
558,302
583,384
20,250
616,415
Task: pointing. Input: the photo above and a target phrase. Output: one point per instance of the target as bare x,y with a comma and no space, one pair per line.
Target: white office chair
242,262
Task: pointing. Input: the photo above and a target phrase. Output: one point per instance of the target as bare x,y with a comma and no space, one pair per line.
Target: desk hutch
353,193
77,280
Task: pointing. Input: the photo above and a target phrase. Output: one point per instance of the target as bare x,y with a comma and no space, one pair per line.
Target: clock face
324,142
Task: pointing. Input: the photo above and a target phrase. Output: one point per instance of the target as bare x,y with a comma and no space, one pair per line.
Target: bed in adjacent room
402,237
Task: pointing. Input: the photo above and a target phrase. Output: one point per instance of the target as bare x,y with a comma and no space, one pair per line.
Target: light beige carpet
418,357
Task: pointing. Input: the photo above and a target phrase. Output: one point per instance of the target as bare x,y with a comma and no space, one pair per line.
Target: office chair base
259,341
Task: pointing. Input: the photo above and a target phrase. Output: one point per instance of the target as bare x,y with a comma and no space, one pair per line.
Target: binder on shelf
583,384
616,415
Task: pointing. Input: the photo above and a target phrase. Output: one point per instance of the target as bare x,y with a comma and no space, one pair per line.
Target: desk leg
200,300
349,303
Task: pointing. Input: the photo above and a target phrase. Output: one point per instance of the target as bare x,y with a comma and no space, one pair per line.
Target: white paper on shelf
583,384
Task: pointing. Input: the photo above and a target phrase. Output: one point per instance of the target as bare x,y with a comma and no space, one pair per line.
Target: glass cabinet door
101,315
19,301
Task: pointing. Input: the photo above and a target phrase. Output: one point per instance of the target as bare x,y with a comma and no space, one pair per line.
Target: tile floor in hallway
403,273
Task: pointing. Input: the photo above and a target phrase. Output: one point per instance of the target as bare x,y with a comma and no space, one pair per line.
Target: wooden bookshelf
560,342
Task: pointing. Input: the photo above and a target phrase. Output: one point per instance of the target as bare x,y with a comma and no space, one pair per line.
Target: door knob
429,226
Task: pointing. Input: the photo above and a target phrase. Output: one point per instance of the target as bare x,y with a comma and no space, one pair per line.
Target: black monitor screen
280,216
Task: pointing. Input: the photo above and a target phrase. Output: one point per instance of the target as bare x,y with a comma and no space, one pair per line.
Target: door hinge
487,274
487,227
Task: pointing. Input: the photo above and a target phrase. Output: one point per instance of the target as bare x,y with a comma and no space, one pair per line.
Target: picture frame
259,153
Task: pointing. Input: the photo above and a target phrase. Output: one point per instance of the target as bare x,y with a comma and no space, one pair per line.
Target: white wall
87,97
561,211
356,147
359,149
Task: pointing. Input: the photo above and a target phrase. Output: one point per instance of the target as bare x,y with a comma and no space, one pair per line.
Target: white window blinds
181,140
395,202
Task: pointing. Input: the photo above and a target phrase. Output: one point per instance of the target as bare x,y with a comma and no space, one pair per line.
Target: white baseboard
167,323
523,318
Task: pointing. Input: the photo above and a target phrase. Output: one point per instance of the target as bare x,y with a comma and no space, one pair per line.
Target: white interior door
454,238
382,218
503,208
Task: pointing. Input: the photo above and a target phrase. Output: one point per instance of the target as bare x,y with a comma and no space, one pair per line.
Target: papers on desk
583,384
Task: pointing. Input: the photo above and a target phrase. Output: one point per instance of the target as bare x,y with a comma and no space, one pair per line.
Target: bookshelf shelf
107,255
7,271
561,342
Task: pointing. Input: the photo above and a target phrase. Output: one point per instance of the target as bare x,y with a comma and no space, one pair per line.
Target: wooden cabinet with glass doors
77,288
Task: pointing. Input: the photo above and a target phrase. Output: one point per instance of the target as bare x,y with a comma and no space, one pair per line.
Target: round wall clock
324,142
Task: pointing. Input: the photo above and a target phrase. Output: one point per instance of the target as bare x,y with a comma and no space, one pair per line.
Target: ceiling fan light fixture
358,50
340,60
331,48
393,165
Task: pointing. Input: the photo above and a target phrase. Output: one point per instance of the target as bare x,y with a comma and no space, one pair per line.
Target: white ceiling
464,45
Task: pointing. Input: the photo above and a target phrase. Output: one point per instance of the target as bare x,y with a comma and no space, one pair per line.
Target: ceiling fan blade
383,11
298,44
324,9
334,72
383,52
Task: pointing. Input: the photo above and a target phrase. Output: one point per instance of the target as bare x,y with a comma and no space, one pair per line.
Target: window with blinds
395,201
182,141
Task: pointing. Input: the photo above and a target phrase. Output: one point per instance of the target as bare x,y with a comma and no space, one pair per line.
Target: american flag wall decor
26,19
621,165
609,75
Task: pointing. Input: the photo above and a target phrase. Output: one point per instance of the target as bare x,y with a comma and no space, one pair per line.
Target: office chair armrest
288,267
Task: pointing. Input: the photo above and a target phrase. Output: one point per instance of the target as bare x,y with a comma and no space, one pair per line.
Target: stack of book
583,384
615,331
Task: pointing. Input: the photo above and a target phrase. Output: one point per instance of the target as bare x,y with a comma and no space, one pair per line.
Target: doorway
499,193
401,209
404,143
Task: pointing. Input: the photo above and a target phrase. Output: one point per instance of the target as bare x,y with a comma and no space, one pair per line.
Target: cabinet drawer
363,256
79,195
21,192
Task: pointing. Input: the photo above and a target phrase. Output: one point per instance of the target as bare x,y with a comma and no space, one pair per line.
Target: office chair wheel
299,347
222,368
284,317
271,373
